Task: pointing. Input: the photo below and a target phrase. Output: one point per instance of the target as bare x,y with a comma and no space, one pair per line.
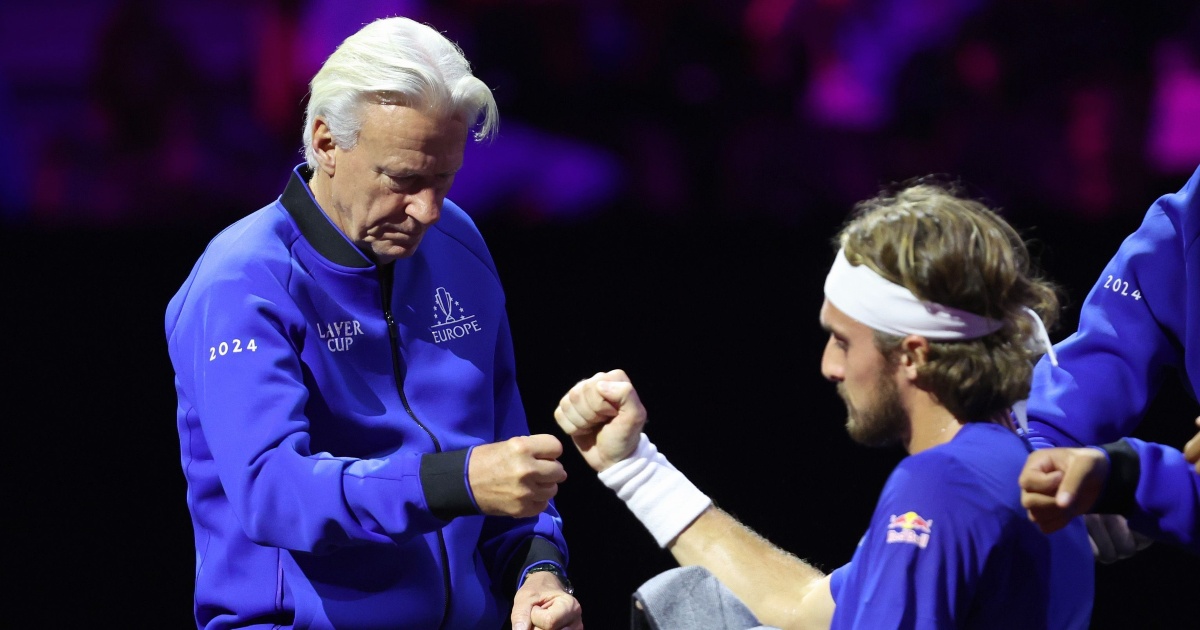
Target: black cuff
1120,489
444,478
533,551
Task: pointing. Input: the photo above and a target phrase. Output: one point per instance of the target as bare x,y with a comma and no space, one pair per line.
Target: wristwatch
568,588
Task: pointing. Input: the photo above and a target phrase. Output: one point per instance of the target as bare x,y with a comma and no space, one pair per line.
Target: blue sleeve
1156,489
1133,327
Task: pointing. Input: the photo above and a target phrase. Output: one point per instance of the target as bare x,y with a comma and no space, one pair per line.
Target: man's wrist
553,569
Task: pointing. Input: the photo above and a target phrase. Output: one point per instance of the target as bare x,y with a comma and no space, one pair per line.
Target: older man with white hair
353,439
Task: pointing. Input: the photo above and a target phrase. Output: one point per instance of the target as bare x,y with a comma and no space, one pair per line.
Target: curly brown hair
928,237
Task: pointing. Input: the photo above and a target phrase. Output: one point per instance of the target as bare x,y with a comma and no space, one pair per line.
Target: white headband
882,305
890,308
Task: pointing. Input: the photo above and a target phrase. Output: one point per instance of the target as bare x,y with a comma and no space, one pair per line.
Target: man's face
865,380
386,191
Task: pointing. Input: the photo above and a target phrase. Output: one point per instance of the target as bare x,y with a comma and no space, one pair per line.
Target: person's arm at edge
1152,485
1103,384
1130,329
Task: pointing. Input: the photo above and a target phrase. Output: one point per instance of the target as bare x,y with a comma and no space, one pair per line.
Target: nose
425,206
832,366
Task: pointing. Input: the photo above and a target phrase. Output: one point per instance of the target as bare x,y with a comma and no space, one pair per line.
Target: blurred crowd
134,112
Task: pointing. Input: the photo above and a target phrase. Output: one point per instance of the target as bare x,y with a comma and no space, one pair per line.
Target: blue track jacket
326,411
1139,325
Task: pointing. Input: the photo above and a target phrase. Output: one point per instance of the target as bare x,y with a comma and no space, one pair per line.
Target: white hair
395,61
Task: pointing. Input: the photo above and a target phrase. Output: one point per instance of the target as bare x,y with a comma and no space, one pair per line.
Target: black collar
325,237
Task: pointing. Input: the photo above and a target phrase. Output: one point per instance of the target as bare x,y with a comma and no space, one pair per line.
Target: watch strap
557,571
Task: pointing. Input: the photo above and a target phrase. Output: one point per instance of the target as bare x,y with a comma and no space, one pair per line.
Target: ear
914,352
323,146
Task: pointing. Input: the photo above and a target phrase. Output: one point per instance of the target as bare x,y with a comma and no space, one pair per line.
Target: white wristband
656,492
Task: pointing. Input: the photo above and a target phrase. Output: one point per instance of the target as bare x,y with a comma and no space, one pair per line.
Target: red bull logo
909,528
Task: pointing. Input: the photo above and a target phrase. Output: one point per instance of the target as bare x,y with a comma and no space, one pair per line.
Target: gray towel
689,598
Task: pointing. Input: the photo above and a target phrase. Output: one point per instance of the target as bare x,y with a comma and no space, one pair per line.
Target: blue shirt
949,546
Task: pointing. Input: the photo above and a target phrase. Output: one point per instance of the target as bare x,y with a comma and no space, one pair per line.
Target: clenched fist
516,477
604,416
1058,484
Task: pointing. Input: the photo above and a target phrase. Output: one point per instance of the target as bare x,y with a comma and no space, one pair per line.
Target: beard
880,423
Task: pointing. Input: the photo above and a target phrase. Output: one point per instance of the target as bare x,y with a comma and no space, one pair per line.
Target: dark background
660,199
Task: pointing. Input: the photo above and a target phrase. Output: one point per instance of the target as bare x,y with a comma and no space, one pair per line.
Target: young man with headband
935,320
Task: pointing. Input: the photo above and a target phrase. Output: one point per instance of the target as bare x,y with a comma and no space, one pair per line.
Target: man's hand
542,603
516,477
604,416
1191,451
1058,484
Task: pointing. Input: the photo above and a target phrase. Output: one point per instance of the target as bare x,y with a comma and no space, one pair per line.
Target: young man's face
865,380
387,190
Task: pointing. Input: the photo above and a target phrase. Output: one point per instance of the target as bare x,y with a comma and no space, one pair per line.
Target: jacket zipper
399,370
